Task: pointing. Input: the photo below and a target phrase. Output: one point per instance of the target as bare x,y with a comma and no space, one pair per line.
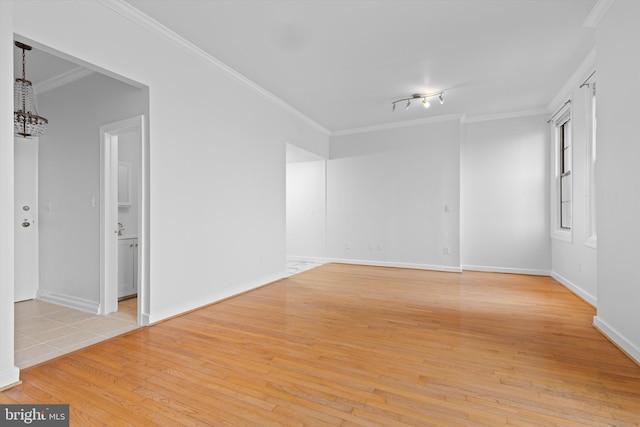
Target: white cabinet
127,267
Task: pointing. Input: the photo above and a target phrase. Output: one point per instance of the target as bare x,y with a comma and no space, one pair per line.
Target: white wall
69,183
306,206
216,154
505,195
574,263
617,175
217,158
386,197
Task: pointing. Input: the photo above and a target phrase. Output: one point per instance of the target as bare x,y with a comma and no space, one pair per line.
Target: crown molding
502,116
149,24
62,79
584,69
402,124
596,14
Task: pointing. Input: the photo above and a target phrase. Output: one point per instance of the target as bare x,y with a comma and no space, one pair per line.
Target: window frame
591,231
562,120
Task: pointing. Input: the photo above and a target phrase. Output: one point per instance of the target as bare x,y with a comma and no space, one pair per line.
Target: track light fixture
417,96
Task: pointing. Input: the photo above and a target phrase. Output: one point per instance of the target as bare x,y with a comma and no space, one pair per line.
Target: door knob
26,223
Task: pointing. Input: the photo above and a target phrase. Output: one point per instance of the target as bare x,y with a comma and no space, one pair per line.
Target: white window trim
564,114
591,231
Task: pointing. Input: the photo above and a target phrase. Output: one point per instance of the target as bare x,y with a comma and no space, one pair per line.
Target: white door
26,218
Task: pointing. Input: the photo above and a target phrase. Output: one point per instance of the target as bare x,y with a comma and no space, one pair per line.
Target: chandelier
423,98
26,121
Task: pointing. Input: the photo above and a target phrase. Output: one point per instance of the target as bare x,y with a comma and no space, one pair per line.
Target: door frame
109,217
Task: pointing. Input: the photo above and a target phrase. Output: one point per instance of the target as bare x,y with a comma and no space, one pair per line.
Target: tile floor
44,330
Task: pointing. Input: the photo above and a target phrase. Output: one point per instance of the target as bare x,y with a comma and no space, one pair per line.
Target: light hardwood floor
354,345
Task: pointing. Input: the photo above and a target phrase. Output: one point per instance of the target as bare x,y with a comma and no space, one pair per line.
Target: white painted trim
82,304
503,116
617,338
402,124
9,373
9,378
146,22
436,119
109,217
596,14
293,258
508,270
591,156
145,319
563,115
62,79
584,69
586,296
397,265
214,297
562,236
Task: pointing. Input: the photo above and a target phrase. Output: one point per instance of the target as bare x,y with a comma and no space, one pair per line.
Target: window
565,174
591,171
562,188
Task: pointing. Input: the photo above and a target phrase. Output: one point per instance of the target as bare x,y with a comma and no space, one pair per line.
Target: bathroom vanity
127,266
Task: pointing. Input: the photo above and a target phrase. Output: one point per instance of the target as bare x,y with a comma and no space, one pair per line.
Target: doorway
305,209
122,224
66,221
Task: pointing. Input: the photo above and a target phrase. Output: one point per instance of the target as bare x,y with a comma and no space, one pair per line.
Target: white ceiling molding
125,9
598,11
402,124
584,69
514,115
62,79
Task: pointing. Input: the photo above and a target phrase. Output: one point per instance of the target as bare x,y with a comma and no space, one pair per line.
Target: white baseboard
527,271
632,350
9,377
317,260
70,301
214,297
144,319
397,265
587,297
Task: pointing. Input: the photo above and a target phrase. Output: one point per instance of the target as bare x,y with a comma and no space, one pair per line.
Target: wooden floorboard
344,345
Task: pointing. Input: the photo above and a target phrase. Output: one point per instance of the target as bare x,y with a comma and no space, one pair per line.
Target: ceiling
41,67
342,62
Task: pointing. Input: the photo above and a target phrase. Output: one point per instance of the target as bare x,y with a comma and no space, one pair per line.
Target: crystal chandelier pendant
26,121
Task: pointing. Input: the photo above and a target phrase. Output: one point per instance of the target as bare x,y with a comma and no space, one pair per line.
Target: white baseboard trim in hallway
80,304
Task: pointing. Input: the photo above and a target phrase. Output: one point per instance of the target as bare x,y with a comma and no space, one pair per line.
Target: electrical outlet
446,250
